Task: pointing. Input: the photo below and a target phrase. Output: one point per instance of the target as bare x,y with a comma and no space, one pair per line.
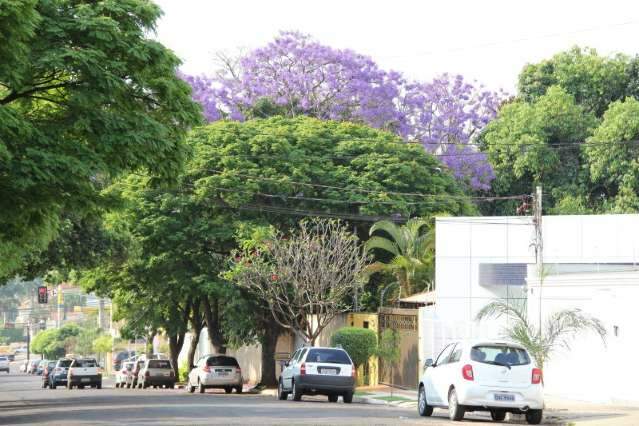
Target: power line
363,190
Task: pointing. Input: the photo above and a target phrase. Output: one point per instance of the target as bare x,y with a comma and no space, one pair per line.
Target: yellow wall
357,320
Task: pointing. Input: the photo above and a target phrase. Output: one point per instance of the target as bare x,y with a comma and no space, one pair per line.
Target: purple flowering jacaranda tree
302,76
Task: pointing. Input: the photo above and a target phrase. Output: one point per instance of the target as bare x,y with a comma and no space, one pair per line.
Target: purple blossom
305,77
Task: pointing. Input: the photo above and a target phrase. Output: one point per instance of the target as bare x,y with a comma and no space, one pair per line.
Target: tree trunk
269,344
196,329
212,317
176,343
149,344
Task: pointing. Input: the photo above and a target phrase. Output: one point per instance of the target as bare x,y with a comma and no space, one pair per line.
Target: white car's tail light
353,371
206,369
238,371
467,372
536,376
303,369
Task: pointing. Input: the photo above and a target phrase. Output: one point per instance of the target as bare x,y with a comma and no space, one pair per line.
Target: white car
123,373
318,371
493,376
4,363
215,371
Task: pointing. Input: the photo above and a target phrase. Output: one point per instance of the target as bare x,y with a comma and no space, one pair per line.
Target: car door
436,377
287,375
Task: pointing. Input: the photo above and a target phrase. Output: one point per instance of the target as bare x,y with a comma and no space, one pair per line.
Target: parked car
24,365
84,372
32,368
499,377
156,372
41,366
60,373
132,378
4,364
46,374
122,374
318,371
121,357
216,371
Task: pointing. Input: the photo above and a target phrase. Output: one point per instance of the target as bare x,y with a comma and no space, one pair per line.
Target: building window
365,324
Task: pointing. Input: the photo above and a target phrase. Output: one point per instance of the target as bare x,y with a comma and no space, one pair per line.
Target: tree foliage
305,277
85,95
412,250
299,76
359,343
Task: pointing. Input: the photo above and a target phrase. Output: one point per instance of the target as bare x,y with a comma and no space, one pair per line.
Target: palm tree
413,248
556,332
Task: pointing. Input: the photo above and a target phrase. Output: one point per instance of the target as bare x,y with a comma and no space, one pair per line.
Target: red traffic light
43,294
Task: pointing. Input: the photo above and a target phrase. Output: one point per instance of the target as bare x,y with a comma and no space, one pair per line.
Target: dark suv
58,377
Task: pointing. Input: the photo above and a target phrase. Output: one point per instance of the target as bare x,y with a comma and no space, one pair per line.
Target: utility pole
539,243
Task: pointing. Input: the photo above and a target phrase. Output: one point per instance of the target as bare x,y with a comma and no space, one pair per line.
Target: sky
484,40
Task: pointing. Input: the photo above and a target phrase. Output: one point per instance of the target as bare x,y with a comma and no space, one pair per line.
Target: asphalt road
23,401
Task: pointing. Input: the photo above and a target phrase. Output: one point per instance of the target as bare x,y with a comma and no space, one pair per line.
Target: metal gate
405,322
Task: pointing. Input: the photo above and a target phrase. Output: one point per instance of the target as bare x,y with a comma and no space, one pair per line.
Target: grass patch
361,393
393,398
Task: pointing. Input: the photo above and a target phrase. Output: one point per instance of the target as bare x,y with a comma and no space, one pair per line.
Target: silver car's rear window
330,356
156,363
499,355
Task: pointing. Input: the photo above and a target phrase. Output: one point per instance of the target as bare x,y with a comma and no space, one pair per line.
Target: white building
590,263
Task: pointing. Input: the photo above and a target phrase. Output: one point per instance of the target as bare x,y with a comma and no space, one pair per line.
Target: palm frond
382,244
390,228
500,308
562,326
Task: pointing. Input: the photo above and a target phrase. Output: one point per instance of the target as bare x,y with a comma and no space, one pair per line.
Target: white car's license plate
166,374
504,397
329,371
222,373
86,380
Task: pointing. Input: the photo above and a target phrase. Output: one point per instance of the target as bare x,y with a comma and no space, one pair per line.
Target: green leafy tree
614,166
593,80
526,144
86,94
359,343
412,247
557,331
102,344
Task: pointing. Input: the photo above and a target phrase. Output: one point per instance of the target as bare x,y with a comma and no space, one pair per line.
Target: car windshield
499,355
64,363
3,358
85,363
222,361
129,366
156,363
331,356
51,364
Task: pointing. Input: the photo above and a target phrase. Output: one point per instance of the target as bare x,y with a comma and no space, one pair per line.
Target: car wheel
81,387
99,386
53,386
117,385
201,387
144,385
128,385
332,398
228,389
297,393
281,395
498,415
423,408
238,389
69,386
189,387
347,397
533,417
455,411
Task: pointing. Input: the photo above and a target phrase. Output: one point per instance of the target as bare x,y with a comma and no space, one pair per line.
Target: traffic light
43,294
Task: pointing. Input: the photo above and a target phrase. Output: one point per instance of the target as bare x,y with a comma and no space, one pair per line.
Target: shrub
360,343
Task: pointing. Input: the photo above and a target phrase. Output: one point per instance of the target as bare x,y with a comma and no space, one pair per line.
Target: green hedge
360,343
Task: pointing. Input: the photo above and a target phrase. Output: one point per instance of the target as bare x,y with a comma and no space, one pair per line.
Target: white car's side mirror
428,363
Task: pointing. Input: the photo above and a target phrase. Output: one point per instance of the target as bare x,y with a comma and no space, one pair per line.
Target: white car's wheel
422,404
455,411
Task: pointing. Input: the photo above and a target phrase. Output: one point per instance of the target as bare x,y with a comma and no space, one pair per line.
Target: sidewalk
558,411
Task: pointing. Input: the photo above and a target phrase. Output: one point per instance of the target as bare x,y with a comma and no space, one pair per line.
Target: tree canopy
85,95
300,76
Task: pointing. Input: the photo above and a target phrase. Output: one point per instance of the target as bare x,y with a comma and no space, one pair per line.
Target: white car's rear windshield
85,363
499,355
222,361
156,363
330,356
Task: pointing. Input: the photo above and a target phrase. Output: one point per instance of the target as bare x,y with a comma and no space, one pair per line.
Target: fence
405,322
